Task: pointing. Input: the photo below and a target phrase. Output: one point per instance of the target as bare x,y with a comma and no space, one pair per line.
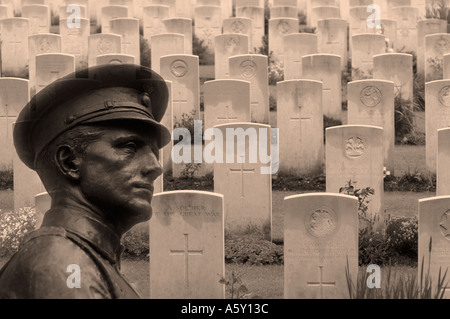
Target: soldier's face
118,171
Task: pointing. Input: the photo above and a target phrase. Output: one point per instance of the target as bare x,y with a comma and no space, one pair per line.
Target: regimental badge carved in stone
444,96
103,46
283,27
248,69
321,223
444,224
178,68
237,27
354,147
44,46
371,96
441,45
231,44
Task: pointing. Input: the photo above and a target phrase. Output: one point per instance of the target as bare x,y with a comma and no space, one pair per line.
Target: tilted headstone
241,178
436,45
253,68
208,24
371,102
227,45
296,46
112,12
41,44
324,12
326,68
181,26
115,59
257,15
433,234
187,245
52,66
437,116
278,28
75,41
165,44
320,245
240,26
128,28
424,28
103,43
407,18
284,12
153,16
442,160
332,38
364,47
14,47
13,97
354,157
300,123
39,18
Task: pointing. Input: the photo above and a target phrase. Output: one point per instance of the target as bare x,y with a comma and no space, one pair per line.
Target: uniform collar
101,237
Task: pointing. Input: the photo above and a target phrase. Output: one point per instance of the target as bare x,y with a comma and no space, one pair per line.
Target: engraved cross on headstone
186,253
242,171
179,102
228,118
321,283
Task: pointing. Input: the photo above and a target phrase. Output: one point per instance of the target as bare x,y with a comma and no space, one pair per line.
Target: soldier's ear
68,162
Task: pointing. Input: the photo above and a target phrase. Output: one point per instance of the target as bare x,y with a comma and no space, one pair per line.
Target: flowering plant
13,228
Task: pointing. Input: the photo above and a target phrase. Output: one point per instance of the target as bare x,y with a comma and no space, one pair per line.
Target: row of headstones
187,258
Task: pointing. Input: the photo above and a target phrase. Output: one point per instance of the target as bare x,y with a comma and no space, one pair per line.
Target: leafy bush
13,228
436,10
205,57
6,178
401,233
272,103
373,247
404,121
136,244
145,52
276,71
187,122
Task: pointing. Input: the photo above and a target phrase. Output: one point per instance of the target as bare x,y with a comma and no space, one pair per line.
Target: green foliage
436,66
233,284
276,72
373,248
252,249
189,170
301,18
405,132
308,30
187,122
419,92
136,244
6,178
264,48
205,57
272,103
437,9
402,236
145,52
13,228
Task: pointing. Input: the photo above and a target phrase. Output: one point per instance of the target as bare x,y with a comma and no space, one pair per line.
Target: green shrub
373,247
136,244
6,178
401,234
276,71
272,103
187,122
205,57
437,9
145,52
13,228
404,120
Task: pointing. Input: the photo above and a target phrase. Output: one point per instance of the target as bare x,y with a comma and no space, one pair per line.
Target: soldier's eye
131,146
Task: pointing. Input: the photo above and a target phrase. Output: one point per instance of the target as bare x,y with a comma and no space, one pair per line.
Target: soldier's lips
143,186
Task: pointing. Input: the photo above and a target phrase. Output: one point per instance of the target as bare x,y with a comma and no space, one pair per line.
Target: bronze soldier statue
93,138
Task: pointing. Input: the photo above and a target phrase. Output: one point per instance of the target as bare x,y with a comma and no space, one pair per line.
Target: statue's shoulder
47,266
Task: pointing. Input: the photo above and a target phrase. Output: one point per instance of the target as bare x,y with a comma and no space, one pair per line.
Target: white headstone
187,245
278,28
181,26
407,18
300,123
10,5
172,4
4,12
127,3
364,47
436,45
442,160
371,102
115,59
52,66
320,242
227,45
446,69
208,24
296,46
128,28
434,218
437,116
39,18
391,4
247,190
332,38
427,27
103,43
326,68
14,48
354,154
75,41
253,68
389,30
13,97
249,3
153,16
324,12
240,26
112,12
257,15
165,44
284,12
